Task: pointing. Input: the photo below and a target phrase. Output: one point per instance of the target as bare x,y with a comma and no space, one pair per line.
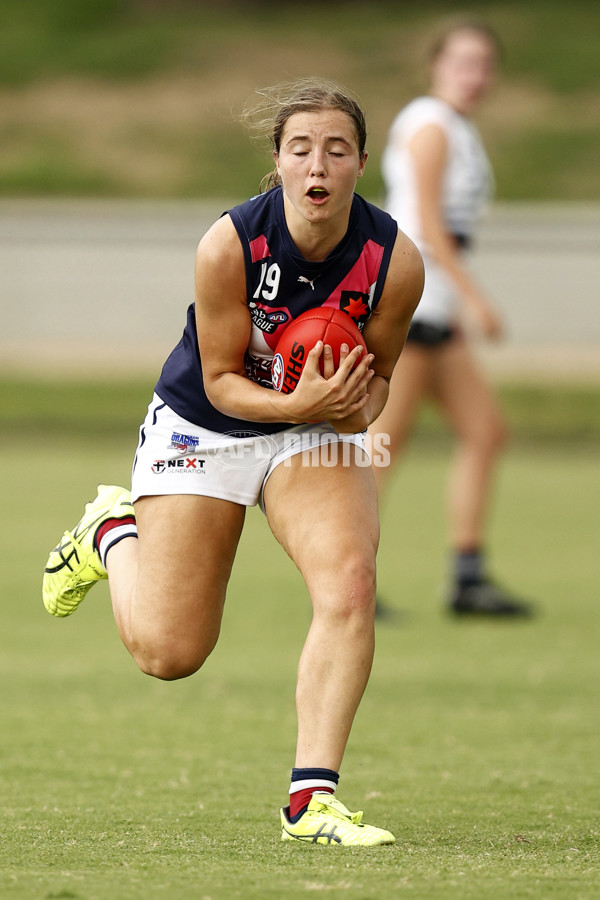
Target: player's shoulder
258,213
422,111
239,221
220,244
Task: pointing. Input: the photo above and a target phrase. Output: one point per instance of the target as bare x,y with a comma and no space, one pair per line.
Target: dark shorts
427,335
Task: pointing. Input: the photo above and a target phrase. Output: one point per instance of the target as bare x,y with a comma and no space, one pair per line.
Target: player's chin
315,211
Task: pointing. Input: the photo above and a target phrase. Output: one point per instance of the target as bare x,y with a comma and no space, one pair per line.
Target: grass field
476,743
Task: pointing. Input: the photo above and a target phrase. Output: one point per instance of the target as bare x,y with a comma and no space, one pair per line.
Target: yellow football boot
327,821
74,565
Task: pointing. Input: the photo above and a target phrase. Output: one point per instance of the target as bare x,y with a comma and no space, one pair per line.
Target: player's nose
317,167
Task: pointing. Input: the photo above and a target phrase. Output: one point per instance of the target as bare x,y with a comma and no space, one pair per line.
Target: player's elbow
218,391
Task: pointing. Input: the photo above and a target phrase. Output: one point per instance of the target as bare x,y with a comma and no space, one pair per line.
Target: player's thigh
326,519
187,544
465,396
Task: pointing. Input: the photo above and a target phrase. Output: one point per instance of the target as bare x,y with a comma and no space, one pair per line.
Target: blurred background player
216,437
438,179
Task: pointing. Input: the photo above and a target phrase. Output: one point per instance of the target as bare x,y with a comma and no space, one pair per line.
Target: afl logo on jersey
277,372
277,317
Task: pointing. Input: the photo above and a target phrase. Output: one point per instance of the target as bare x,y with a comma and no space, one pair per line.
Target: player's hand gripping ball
324,323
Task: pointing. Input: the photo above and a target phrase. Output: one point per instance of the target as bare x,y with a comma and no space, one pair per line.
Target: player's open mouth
317,194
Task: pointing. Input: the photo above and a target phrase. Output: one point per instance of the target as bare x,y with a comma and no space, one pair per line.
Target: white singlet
467,187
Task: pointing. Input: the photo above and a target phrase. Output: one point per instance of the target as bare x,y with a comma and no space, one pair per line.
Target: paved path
104,285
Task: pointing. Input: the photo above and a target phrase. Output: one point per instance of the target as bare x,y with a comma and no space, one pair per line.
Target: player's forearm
239,397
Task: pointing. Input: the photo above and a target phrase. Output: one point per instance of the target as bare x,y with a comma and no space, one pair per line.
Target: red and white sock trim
304,783
313,784
113,536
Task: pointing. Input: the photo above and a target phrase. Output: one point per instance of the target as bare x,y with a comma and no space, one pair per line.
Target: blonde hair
267,117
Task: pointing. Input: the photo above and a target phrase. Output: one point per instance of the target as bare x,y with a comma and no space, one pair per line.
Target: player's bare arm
429,152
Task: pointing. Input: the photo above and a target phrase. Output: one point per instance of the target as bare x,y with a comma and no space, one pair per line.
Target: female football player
438,180
218,438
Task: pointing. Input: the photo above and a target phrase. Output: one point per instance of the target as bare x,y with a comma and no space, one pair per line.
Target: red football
324,323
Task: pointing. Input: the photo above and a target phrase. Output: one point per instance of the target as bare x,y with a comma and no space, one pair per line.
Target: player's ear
361,165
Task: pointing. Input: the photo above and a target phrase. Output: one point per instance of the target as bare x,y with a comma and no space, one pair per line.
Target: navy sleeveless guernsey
280,285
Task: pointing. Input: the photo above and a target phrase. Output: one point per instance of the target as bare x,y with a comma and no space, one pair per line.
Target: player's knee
497,436
166,668
491,437
354,593
171,662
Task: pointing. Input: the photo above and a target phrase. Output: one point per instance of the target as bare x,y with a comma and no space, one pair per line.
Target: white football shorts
175,456
439,303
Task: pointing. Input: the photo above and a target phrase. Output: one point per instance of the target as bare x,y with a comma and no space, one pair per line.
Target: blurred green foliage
106,38
142,97
553,42
540,415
